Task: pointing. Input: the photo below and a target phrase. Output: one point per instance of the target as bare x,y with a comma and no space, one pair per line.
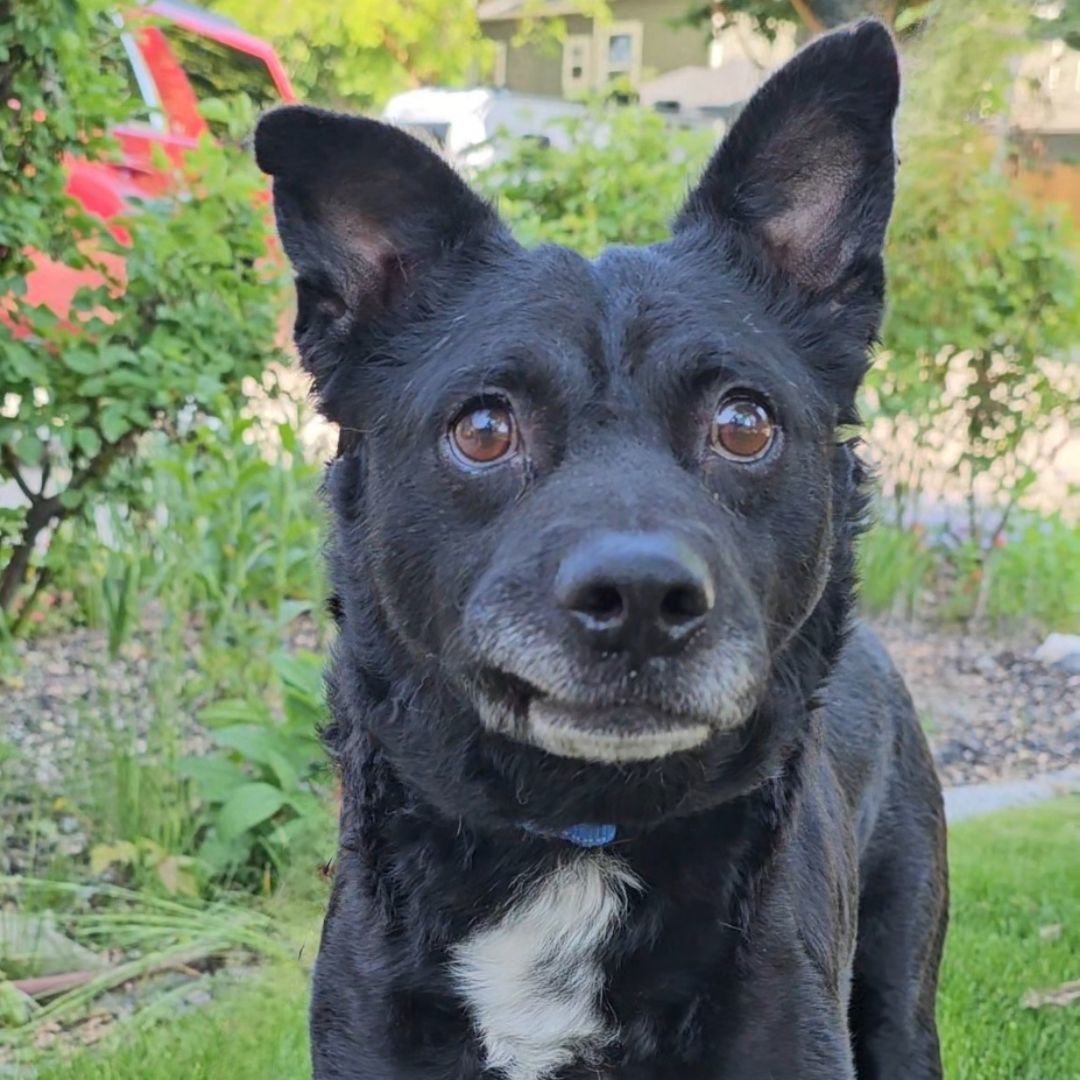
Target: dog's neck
388,827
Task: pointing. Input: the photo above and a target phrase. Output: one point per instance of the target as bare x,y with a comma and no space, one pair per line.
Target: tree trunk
14,573
806,14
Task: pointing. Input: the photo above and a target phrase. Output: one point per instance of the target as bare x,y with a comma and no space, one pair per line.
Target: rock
1058,647
1069,663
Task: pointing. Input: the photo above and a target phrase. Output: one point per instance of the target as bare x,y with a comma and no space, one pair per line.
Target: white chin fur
551,729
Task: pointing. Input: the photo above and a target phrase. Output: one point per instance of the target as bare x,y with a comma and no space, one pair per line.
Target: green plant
895,565
619,181
259,790
225,539
146,859
153,934
367,50
985,285
814,16
237,528
119,590
182,310
123,786
1030,576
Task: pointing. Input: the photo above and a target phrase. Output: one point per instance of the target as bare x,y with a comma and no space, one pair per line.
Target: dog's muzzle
622,663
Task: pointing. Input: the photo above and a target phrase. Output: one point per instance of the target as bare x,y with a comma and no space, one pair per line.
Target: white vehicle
464,123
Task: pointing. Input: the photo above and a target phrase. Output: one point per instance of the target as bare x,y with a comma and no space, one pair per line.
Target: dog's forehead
618,310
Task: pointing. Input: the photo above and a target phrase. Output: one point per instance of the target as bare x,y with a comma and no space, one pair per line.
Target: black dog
625,794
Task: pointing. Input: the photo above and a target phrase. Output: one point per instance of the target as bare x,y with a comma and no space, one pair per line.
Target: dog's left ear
807,171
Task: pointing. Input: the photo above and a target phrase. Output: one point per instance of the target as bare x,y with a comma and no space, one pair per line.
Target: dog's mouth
609,732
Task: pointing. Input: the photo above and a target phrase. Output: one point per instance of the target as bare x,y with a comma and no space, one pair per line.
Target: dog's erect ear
807,170
362,209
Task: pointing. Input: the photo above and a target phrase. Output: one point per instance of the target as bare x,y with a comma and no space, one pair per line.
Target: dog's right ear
363,210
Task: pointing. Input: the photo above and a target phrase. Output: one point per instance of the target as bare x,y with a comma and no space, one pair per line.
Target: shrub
620,180
183,311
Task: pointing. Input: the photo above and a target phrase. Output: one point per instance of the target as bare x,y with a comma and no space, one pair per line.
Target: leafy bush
1029,578
620,180
258,790
364,51
1031,575
182,312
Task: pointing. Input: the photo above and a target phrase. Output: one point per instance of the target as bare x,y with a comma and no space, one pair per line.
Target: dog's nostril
684,603
604,603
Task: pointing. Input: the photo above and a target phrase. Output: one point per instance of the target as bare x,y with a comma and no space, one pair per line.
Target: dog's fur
773,905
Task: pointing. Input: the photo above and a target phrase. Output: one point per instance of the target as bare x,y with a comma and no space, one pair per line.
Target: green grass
894,568
1012,875
258,1031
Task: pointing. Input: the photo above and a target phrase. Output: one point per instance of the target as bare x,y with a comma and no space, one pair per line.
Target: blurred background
165,808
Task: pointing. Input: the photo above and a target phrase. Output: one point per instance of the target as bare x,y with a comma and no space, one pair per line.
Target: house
645,44
1045,124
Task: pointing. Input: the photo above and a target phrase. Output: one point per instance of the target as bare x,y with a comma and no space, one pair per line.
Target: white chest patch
533,980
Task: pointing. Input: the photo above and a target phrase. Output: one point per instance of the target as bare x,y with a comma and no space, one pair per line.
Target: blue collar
583,836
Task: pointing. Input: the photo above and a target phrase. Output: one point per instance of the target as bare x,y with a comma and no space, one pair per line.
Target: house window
577,64
498,72
620,52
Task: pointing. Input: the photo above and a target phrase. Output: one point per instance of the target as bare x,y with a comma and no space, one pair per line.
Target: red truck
177,57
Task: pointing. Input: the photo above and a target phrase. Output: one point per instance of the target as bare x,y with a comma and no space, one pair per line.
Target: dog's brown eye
742,429
484,433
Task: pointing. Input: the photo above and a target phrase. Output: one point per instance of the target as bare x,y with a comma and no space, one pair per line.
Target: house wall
536,68
665,47
1056,183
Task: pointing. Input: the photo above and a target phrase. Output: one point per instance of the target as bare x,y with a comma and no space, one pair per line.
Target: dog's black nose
640,593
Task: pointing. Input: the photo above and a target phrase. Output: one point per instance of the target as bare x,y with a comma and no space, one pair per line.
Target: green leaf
215,776
84,361
87,440
247,807
29,448
114,423
303,672
232,711
104,855
263,746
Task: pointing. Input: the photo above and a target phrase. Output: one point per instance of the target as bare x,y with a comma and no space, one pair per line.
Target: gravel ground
991,711
65,692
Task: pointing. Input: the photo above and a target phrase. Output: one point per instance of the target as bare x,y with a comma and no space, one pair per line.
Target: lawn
1014,876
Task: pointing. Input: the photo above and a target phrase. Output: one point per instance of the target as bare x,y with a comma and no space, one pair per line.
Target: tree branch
809,19
11,463
43,578
401,55
43,510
